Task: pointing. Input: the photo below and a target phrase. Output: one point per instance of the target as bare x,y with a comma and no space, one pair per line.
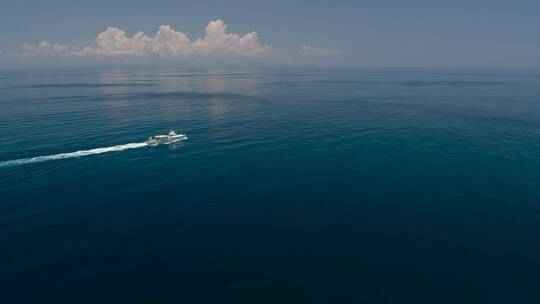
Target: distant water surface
295,186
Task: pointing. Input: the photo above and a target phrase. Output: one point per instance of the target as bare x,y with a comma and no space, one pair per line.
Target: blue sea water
297,185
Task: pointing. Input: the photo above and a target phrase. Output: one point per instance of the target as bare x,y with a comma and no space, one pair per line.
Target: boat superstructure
170,138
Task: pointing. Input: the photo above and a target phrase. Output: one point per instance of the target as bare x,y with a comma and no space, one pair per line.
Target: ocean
296,185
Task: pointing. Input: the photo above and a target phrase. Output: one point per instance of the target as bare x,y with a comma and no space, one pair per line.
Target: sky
346,33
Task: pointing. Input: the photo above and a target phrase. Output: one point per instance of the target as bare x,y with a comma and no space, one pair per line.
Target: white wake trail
37,159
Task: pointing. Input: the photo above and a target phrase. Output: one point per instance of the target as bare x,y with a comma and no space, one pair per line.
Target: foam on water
37,159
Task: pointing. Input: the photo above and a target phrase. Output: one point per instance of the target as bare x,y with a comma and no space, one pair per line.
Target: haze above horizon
210,33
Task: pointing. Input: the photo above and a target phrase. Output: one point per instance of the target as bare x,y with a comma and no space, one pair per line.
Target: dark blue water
295,186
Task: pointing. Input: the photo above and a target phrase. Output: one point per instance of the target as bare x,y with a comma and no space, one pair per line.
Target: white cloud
313,51
114,41
45,48
217,41
167,42
170,43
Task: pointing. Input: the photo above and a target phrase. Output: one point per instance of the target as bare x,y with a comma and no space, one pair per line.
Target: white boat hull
166,139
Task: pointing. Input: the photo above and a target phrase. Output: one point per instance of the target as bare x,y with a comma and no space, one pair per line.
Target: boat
170,138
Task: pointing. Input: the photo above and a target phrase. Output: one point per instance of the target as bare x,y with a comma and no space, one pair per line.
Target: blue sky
320,33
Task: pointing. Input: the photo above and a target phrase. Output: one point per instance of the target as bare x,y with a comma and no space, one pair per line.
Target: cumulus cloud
218,41
167,42
313,51
45,48
170,43
114,41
